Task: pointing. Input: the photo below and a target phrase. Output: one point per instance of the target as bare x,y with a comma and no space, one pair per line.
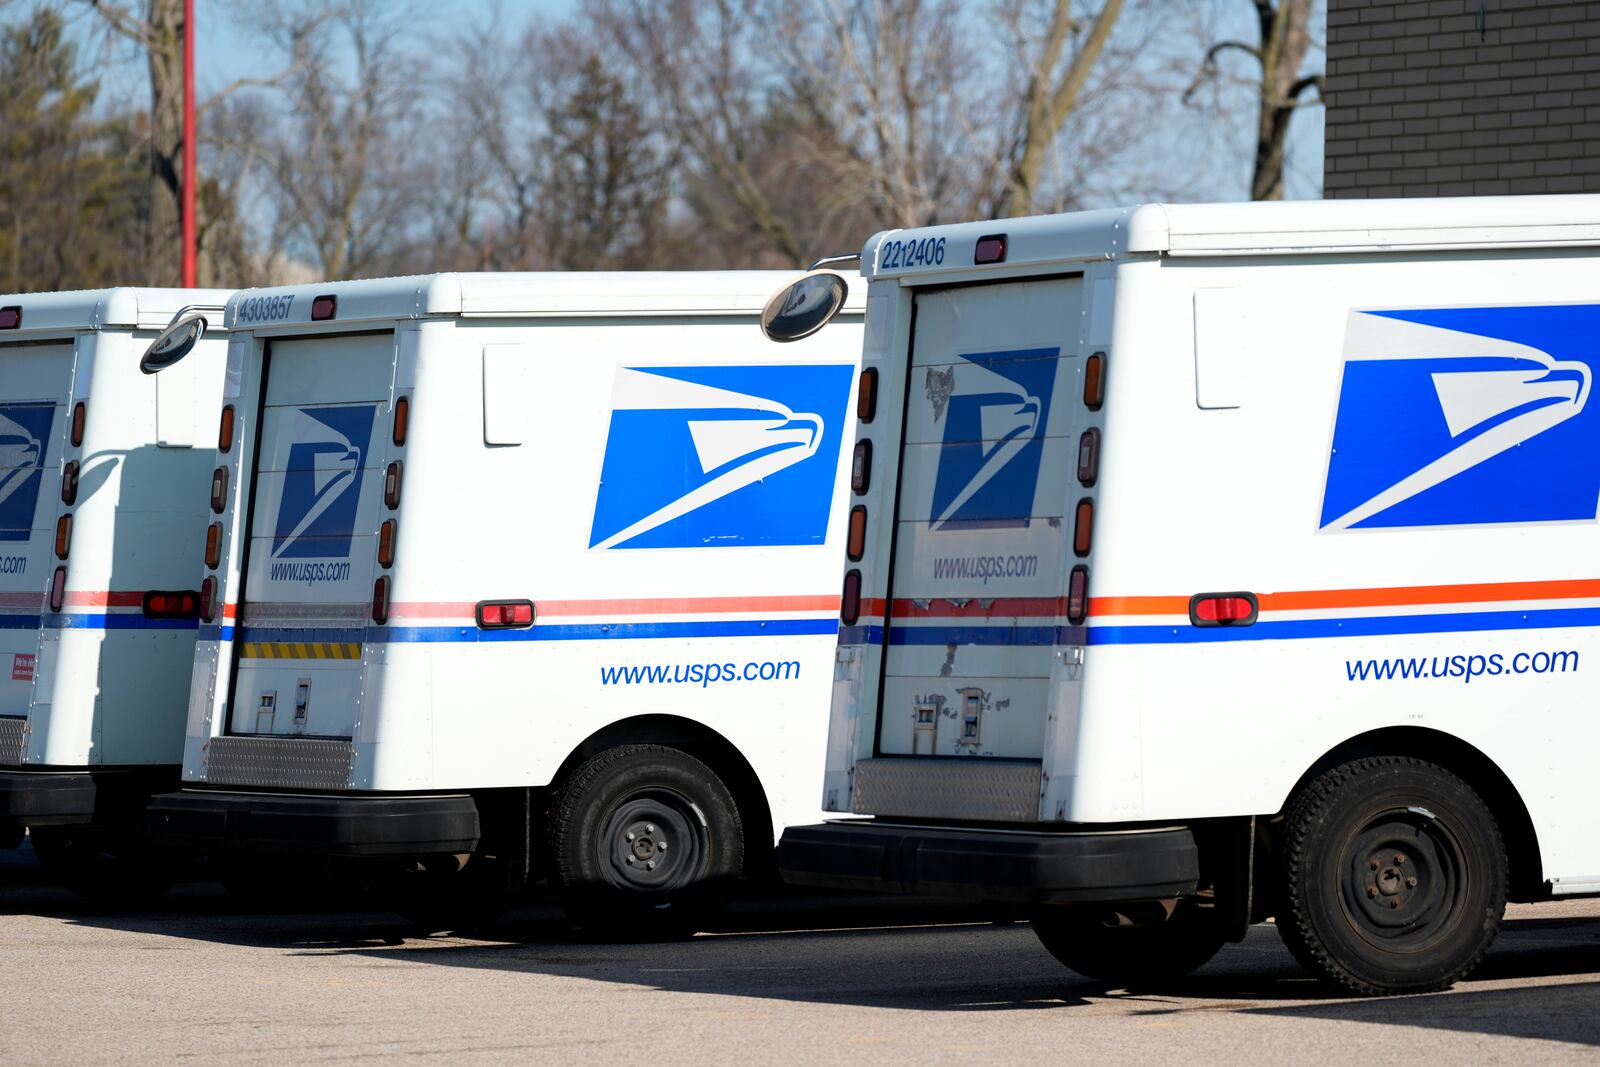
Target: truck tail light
380,600
324,308
850,601
1223,609
1078,595
63,536
213,545
505,614
1094,381
58,588
69,482
990,249
402,419
867,395
219,489
386,543
856,544
80,414
391,486
1083,527
861,467
208,599
171,604
225,430
11,317
1089,457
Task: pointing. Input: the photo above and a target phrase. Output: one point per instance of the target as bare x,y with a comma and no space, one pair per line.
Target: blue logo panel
723,456
994,426
24,445
1457,416
322,486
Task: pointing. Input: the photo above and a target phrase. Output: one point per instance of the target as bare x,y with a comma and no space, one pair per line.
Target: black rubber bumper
48,798
993,865
316,824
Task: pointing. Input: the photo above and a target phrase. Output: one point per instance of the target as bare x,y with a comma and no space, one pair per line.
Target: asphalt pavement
785,978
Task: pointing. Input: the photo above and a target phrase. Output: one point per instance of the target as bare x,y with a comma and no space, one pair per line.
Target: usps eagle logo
994,406
721,456
1466,416
322,485
24,440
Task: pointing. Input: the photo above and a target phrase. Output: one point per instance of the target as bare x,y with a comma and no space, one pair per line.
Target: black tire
1100,942
104,866
1393,877
646,842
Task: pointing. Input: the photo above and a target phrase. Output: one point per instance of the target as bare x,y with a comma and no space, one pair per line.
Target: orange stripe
1391,596
662,606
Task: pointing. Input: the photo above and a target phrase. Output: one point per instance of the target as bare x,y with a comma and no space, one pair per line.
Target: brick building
1462,97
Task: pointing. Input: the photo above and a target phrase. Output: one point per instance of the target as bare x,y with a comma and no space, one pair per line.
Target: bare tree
1280,54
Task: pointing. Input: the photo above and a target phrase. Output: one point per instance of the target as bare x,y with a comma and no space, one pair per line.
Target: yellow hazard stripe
300,650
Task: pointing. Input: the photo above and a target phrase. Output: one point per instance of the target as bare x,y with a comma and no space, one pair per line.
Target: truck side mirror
804,307
175,342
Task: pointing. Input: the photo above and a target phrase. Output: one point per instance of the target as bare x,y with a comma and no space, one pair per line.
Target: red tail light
58,588
219,489
1089,457
11,317
402,419
1083,527
171,604
505,614
63,536
1094,381
861,467
225,431
1223,609
208,599
856,544
391,486
380,601
1078,595
79,416
850,601
324,308
867,395
69,482
213,545
386,543
990,249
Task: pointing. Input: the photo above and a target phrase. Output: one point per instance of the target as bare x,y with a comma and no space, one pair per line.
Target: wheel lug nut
630,859
1411,883
650,865
1394,902
628,836
1372,865
649,829
661,846
1399,859
1372,890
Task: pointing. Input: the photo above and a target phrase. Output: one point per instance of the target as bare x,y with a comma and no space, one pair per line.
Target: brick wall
1432,98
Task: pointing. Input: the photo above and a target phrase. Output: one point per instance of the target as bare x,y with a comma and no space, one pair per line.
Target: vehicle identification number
897,255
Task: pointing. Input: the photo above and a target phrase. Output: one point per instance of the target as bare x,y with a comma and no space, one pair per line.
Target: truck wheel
1393,877
1100,942
646,842
104,866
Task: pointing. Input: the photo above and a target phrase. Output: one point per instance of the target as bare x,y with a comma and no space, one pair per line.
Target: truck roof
1304,227
99,309
515,295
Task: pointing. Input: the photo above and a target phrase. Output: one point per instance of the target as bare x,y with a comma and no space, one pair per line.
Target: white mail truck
515,576
103,470
1212,563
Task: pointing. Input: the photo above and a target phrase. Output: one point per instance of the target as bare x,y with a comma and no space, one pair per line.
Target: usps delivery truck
515,576
1215,563
103,471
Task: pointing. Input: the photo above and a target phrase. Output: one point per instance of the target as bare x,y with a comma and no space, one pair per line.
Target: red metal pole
187,189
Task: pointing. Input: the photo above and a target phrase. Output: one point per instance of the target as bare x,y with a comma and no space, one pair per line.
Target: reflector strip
299,650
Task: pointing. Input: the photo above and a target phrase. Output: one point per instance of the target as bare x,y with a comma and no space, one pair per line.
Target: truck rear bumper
1119,865
316,824
47,798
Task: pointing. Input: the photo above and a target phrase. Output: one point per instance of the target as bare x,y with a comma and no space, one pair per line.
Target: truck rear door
313,516
35,382
983,520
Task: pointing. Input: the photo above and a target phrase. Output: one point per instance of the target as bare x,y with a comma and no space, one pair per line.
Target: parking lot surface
199,977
